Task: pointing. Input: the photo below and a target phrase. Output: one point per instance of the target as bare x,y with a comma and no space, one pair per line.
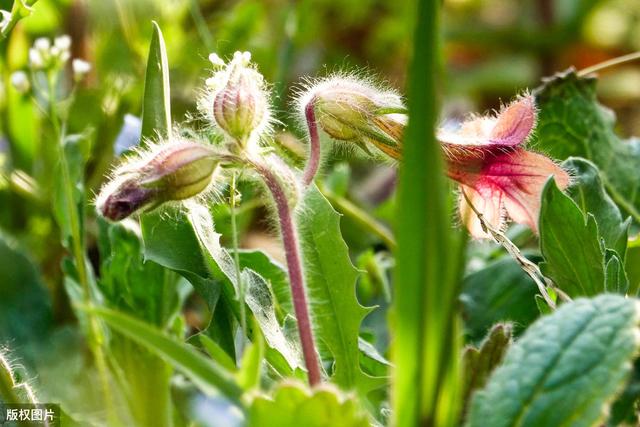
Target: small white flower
64,56
63,42
42,44
80,68
35,59
20,81
216,60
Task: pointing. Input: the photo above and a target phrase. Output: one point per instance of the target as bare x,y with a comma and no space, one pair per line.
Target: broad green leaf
217,353
156,107
590,195
331,286
569,242
169,240
292,404
209,377
565,370
501,291
479,363
572,123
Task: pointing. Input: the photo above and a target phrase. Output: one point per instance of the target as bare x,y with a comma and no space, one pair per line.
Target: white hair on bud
221,72
360,81
140,156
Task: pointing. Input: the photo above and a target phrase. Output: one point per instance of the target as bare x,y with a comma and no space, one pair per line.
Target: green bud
174,172
354,111
238,95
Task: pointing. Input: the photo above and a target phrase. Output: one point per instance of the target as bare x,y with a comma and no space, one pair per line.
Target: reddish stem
296,278
313,162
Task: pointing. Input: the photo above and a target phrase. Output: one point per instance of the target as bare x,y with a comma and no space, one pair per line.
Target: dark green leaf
499,292
569,242
573,123
565,370
589,194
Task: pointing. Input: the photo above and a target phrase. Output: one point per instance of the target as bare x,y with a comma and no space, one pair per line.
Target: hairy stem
294,268
313,162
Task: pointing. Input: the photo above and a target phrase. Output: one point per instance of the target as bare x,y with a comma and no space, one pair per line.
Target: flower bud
237,98
177,171
354,111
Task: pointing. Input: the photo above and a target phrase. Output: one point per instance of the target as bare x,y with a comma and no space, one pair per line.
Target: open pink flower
486,156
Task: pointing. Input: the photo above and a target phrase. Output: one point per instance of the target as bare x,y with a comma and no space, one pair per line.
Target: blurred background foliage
493,49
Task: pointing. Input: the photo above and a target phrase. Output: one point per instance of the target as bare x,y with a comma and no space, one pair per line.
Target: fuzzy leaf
480,362
331,285
572,123
565,370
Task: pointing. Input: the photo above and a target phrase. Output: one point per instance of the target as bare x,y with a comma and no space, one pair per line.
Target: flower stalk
294,269
313,161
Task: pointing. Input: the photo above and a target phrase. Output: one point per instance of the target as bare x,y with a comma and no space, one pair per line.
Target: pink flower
486,156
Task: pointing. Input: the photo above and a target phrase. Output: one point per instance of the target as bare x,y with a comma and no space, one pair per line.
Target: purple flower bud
172,172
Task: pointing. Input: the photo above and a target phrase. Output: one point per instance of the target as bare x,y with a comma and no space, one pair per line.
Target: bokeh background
491,51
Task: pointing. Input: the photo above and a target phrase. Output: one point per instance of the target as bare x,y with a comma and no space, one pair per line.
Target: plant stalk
294,268
313,162
96,338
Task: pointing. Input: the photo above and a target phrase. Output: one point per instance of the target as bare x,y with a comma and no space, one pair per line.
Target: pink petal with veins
511,181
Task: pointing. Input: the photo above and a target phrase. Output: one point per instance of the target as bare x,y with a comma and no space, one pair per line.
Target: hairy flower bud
236,100
351,110
176,171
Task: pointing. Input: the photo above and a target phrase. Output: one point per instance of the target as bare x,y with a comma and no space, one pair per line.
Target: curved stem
294,268
313,162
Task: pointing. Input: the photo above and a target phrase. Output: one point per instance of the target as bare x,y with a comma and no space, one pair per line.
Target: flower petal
488,202
515,123
520,176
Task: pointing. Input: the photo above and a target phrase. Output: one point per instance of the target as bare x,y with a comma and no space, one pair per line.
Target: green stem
96,337
360,216
236,259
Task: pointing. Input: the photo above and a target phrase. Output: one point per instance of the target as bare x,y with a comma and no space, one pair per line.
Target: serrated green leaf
574,258
479,363
292,404
572,123
156,106
209,377
589,194
331,285
565,370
